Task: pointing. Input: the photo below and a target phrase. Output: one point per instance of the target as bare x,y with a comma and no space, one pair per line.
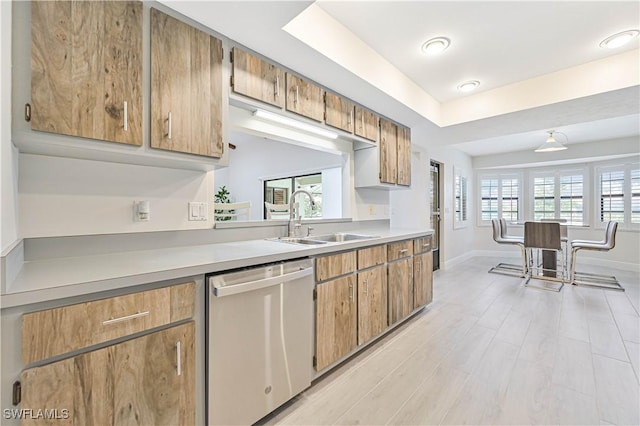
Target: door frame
437,254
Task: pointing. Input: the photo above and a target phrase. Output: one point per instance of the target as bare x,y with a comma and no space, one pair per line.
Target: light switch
198,211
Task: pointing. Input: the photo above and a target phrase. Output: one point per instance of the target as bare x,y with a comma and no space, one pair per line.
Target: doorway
436,193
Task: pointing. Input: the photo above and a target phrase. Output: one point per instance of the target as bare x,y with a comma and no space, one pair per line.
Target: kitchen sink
297,240
339,237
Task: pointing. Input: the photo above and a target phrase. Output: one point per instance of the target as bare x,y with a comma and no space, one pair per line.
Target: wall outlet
198,211
372,210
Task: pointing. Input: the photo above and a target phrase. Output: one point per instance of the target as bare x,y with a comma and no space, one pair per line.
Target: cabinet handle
351,295
362,121
350,118
126,117
276,91
403,251
297,95
178,358
125,318
366,287
169,129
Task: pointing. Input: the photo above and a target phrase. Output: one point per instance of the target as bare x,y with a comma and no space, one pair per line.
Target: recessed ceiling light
619,39
435,45
468,86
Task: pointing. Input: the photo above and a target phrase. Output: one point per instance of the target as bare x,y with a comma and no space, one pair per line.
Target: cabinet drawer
399,250
328,267
60,330
421,245
372,256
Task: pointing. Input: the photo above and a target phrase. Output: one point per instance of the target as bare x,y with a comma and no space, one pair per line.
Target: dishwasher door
259,340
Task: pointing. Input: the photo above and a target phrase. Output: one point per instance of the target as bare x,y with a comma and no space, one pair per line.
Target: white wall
62,196
8,153
411,208
456,243
332,192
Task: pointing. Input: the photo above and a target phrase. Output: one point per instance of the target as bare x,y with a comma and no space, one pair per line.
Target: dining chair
501,237
279,211
231,211
545,237
595,280
564,235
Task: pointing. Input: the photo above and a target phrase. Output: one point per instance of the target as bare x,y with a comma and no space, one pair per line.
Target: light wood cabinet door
366,124
304,97
256,78
404,156
388,152
147,380
338,112
372,303
186,88
336,320
422,279
400,292
422,244
334,265
399,249
86,69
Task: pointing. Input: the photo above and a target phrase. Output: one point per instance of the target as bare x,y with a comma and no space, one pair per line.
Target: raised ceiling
539,63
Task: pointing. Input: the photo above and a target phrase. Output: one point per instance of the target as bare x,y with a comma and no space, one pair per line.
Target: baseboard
458,260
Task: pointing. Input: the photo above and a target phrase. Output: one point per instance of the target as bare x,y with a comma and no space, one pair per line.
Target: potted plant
222,197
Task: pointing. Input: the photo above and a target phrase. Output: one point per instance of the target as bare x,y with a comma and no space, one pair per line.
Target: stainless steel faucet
292,214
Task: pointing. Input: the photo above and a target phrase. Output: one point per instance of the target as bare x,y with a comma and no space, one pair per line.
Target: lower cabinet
422,279
146,380
400,289
359,297
372,303
336,320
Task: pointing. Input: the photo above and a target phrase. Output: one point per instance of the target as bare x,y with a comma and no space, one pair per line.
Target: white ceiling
498,43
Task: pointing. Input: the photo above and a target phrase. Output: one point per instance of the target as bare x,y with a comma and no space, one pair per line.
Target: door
435,188
336,320
388,152
422,279
257,79
86,69
304,98
404,156
338,112
400,292
147,380
372,303
366,124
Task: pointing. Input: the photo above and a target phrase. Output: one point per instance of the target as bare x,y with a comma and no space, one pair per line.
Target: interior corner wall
457,242
411,207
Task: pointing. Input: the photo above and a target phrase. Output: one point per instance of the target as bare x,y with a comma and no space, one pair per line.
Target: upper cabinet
388,152
186,88
387,166
86,69
404,156
338,112
256,78
366,124
304,98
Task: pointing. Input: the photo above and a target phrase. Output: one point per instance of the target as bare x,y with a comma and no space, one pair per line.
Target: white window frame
460,219
557,174
499,177
627,167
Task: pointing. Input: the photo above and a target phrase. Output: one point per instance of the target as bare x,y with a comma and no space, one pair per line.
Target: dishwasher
259,340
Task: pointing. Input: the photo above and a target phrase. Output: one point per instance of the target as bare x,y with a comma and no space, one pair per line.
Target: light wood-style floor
490,351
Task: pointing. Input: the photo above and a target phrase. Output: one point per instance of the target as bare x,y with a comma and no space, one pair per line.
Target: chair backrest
222,211
277,211
610,235
544,235
495,224
563,226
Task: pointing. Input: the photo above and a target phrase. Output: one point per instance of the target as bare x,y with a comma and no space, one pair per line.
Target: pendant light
552,144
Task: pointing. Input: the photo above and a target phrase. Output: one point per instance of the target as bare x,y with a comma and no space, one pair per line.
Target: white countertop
57,278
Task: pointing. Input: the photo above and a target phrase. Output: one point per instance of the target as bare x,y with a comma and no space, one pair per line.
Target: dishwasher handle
258,284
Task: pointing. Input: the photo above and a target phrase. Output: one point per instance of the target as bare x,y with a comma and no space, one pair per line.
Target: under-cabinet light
294,123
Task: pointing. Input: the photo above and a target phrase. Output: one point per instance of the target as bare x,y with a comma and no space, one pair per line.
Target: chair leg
607,282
